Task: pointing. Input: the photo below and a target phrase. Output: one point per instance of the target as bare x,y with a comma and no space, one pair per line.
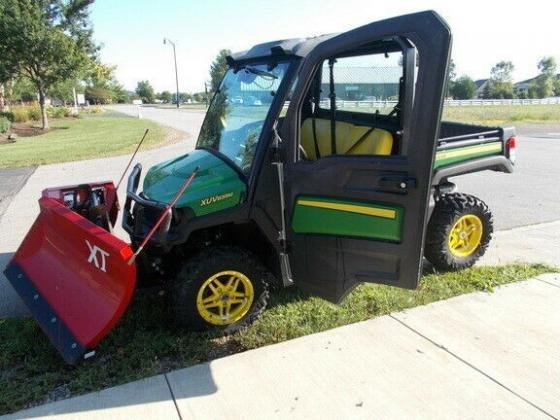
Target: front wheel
459,231
222,288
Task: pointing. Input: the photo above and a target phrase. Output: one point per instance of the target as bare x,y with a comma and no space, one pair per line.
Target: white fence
482,102
340,104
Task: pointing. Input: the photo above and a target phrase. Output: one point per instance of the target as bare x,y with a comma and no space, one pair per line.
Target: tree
119,94
46,41
500,85
7,74
23,91
463,88
145,91
166,96
63,91
98,95
545,84
451,74
184,97
102,85
217,69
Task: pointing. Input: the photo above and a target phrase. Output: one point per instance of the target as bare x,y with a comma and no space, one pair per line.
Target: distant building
521,89
480,86
362,83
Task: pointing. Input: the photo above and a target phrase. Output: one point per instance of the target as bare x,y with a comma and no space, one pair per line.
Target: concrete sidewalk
478,355
531,244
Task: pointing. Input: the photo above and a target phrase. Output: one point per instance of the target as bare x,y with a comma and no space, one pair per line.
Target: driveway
12,181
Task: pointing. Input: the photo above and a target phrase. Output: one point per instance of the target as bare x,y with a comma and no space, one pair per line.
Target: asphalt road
180,119
529,196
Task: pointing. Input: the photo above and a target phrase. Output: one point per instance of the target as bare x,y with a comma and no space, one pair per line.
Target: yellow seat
377,142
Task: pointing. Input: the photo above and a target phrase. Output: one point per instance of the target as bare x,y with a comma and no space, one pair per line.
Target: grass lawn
488,114
90,136
146,342
502,114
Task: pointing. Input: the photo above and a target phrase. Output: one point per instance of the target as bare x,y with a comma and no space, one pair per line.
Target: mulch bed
26,129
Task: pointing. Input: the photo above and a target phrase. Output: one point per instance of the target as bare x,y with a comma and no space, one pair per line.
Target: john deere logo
215,199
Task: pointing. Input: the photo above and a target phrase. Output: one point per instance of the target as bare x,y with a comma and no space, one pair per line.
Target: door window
365,83
354,107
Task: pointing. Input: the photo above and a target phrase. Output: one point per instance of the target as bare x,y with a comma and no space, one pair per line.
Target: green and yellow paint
347,218
217,186
450,156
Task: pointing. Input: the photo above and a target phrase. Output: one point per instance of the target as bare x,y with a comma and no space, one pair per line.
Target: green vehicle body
462,154
327,223
218,187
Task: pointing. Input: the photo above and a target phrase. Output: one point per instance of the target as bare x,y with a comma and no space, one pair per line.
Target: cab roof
299,47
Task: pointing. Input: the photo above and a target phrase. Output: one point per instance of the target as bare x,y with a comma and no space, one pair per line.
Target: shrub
58,112
26,113
4,124
95,109
7,114
34,113
20,114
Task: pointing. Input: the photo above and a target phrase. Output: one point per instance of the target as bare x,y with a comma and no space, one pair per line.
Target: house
480,86
521,89
363,83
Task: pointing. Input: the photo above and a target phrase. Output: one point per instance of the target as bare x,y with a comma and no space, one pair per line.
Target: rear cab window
365,84
353,106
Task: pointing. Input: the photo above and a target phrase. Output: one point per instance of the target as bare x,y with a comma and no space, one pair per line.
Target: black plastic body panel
497,163
328,265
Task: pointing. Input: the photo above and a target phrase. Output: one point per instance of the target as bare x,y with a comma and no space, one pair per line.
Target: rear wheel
459,231
222,288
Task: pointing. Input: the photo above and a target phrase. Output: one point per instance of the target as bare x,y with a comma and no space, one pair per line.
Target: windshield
237,112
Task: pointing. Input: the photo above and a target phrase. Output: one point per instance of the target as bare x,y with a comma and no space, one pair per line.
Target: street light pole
165,41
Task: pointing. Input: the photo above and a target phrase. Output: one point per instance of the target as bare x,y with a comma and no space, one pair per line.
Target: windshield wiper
259,72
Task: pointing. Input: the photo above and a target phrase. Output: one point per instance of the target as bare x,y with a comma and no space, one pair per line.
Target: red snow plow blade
72,274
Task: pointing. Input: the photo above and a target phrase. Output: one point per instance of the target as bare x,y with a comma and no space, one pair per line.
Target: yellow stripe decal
491,147
352,208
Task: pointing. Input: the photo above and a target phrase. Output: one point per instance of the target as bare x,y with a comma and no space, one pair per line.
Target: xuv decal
215,198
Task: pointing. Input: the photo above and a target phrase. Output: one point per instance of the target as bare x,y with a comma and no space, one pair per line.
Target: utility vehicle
321,184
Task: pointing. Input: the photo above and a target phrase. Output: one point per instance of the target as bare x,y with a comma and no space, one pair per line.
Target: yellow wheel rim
225,298
465,235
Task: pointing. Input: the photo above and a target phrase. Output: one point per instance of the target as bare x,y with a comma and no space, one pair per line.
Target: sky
132,32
